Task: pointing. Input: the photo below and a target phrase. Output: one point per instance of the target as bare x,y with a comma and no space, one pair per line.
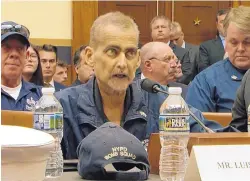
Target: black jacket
186,66
241,104
211,51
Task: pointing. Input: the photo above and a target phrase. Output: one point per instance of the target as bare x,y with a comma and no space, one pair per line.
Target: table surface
74,176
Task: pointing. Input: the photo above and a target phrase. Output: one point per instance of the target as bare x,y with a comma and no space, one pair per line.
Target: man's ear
148,65
88,56
139,59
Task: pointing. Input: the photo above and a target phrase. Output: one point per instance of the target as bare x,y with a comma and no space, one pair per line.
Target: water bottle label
48,121
58,120
173,123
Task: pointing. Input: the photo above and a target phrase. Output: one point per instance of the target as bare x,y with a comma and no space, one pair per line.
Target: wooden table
74,176
195,139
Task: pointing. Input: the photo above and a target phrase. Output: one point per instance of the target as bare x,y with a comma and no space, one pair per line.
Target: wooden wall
85,12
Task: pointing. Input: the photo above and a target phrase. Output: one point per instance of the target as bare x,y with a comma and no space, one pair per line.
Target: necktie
47,84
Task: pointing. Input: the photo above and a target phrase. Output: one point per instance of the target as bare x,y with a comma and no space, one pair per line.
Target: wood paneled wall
84,14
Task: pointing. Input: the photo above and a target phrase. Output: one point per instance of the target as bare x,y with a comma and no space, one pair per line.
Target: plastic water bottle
174,136
48,117
248,120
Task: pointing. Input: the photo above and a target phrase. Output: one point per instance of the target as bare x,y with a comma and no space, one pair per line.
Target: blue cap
22,34
112,146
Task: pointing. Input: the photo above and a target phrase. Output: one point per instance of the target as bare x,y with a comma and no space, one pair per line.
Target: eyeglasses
15,28
166,60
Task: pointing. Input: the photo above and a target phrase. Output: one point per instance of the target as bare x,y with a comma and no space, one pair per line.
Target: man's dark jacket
211,51
186,66
83,113
241,104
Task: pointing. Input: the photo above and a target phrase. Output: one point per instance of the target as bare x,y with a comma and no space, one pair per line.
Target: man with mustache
159,63
16,94
214,89
111,95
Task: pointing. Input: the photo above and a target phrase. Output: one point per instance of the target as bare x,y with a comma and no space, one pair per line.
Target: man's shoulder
59,86
31,87
213,71
209,43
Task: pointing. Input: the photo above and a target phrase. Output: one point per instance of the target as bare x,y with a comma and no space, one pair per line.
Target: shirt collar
183,44
142,76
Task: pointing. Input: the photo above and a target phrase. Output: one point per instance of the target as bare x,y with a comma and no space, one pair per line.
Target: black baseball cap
10,28
112,153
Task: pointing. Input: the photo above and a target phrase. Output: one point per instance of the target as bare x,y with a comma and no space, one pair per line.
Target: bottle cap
174,90
48,90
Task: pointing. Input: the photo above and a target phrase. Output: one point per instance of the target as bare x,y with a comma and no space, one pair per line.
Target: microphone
154,87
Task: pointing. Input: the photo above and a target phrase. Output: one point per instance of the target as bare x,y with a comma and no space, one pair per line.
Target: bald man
159,63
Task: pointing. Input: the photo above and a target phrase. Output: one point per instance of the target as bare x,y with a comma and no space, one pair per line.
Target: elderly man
159,63
111,95
16,94
160,32
83,71
214,89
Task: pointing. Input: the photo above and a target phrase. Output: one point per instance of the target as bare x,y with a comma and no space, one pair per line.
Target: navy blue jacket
214,89
82,114
28,96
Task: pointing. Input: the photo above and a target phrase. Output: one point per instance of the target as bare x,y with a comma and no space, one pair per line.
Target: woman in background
32,71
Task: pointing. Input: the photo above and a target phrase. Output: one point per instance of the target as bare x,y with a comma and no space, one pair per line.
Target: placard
219,163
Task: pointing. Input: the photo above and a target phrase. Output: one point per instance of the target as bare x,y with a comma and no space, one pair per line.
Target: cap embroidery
119,151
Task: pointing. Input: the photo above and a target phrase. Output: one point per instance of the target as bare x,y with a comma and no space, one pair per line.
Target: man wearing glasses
16,94
159,63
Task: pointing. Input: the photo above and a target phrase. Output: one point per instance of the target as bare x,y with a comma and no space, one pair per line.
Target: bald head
158,62
154,50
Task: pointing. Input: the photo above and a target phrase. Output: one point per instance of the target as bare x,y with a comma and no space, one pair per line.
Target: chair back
223,118
17,118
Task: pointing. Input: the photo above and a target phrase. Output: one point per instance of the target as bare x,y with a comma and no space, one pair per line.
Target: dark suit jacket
59,86
211,51
183,55
194,57
241,104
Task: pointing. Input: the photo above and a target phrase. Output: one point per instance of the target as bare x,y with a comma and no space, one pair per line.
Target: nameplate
219,163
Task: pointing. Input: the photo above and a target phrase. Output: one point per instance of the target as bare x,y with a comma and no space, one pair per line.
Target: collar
168,43
142,76
52,83
234,73
99,104
26,88
183,44
222,38
89,109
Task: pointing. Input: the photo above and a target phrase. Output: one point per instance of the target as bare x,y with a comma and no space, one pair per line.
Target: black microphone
154,87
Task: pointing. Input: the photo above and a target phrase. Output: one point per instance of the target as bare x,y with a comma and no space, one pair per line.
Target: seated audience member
61,73
16,93
112,95
48,56
32,71
159,63
177,37
212,51
160,32
241,103
83,71
214,89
